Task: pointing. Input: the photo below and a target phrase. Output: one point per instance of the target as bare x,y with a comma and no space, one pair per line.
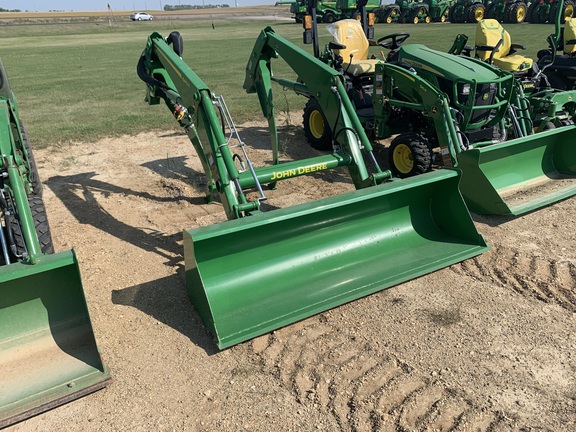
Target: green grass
79,82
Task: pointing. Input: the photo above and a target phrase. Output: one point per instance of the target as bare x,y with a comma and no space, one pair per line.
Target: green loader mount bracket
48,353
263,270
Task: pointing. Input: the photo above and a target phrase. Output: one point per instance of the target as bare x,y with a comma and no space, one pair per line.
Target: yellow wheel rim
520,14
403,159
416,20
569,11
316,124
389,20
427,20
443,18
479,14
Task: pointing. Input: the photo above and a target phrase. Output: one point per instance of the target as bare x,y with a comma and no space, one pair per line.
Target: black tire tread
325,141
420,149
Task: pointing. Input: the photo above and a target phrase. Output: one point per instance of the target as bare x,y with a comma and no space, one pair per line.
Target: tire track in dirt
547,279
364,388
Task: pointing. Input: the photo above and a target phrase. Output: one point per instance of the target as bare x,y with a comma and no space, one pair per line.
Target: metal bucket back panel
48,354
520,175
251,276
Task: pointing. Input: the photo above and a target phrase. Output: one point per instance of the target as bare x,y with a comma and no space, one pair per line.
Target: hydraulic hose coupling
179,112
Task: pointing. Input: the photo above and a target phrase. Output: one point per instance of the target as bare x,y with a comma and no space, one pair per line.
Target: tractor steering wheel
393,41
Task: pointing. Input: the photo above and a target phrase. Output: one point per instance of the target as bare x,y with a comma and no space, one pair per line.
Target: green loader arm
42,302
190,100
396,87
170,79
317,80
17,183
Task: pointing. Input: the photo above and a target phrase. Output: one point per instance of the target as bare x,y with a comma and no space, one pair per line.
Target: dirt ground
487,344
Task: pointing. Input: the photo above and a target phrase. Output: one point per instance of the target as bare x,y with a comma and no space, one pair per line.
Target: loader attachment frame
48,353
510,177
263,270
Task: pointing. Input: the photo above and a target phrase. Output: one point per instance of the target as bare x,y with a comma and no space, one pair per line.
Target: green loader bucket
520,175
250,276
48,354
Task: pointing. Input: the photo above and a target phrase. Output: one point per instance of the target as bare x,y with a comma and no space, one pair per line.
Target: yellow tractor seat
349,33
570,36
494,45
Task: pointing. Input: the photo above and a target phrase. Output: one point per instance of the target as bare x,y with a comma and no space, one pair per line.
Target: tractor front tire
41,226
316,127
409,155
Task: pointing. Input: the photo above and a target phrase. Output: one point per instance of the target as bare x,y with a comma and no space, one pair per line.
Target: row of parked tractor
426,11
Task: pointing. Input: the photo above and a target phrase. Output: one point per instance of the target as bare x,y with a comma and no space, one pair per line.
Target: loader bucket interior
520,175
248,277
48,354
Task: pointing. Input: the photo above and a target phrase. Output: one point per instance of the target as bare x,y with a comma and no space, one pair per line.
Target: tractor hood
448,66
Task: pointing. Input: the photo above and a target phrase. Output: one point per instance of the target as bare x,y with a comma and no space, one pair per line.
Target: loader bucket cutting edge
520,175
250,276
48,353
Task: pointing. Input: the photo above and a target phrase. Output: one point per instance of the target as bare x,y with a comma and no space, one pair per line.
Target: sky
69,5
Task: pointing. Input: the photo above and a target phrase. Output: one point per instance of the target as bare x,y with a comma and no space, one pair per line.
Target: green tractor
475,114
467,11
542,12
439,9
507,11
325,12
404,11
348,9
551,104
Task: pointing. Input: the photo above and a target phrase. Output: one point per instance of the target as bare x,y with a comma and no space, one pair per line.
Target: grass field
79,82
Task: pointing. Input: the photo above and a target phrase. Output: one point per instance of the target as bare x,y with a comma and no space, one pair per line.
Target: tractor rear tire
316,127
329,18
568,12
41,226
476,13
409,155
517,13
36,204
